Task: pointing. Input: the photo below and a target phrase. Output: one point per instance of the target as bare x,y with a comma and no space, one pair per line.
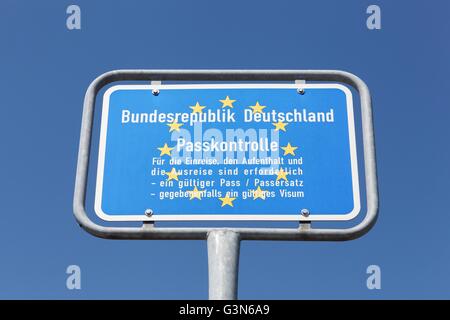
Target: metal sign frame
224,243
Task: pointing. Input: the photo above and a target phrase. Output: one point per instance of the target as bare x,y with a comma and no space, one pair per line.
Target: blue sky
47,68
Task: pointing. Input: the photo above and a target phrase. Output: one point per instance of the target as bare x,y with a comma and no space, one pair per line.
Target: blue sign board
227,152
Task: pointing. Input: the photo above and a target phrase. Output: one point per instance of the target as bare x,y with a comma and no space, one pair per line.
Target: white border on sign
229,217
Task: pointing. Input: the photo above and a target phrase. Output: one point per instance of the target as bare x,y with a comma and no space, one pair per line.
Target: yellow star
174,126
280,126
257,108
172,175
289,149
227,102
197,108
196,194
227,201
165,150
258,193
282,175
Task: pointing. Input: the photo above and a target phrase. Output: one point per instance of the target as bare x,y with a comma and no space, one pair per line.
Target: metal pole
223,264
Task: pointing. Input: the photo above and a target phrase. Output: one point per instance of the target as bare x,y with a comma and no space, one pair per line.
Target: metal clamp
300,89
156,85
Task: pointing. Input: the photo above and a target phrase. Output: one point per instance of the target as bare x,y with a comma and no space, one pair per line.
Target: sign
227,152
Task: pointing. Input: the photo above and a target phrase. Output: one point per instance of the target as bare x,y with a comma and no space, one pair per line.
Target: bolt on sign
227,152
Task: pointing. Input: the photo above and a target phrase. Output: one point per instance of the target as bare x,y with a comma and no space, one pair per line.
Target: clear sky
46,70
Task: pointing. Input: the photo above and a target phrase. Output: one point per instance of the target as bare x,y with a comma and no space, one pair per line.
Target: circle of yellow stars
227,200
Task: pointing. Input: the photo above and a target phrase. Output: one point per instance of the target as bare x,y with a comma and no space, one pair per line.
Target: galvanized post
223,264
